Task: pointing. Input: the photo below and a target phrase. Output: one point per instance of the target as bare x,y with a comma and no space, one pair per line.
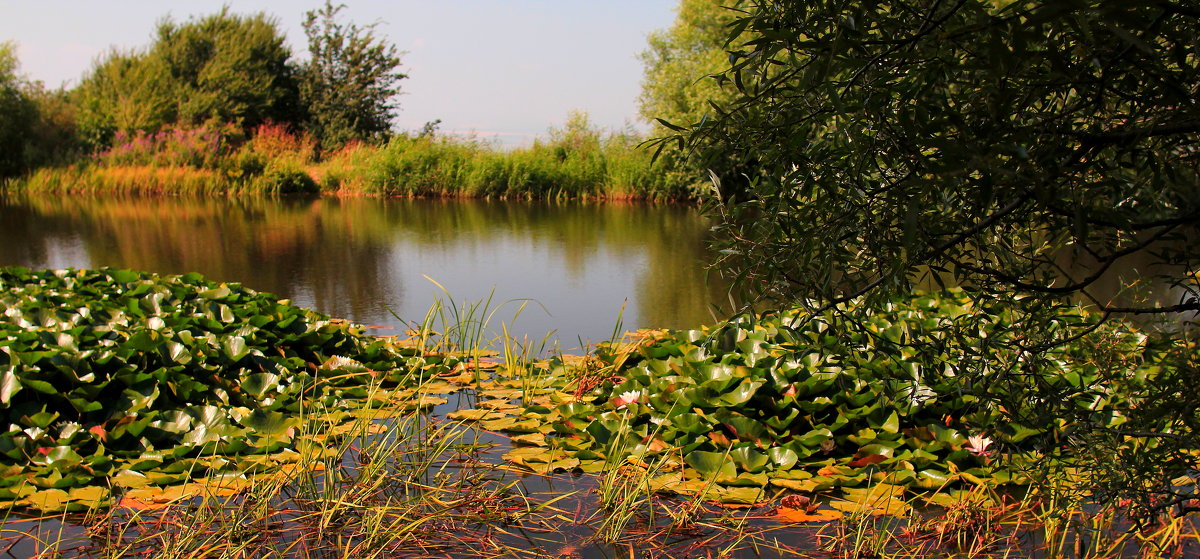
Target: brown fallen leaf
137,504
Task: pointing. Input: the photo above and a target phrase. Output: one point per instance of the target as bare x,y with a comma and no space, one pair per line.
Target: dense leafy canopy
350,82
227,68
679,59
236,69
990,140
222,68
675,89
122,93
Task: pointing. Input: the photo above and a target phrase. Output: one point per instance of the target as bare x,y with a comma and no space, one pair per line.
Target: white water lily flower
340,362
978,444
625,398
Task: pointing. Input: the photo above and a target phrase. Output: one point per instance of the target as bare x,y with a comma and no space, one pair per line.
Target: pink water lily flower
978,444
625,398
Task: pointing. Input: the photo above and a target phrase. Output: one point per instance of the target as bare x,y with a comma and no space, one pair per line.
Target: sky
505,70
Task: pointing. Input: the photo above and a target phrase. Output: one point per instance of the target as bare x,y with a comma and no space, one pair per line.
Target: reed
586,164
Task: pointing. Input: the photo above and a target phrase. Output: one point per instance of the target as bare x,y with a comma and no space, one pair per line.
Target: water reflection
362,258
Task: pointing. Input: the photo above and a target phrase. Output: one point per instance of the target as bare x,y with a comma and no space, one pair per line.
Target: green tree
222,68
37,127
349,84
17,113
677,89
54,136
678,60
979,142
124,91
227,68
578,137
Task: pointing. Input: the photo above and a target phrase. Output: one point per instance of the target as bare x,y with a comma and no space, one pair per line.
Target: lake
578,267
375,261
372,260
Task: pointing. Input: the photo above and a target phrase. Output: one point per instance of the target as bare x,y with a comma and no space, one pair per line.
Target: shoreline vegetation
578,161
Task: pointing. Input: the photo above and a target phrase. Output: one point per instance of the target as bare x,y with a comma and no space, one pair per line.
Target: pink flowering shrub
202,147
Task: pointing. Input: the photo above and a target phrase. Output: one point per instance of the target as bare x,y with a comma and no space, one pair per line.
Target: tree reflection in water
357,258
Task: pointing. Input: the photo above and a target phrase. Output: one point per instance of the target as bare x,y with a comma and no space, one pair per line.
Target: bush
283,178
203,148
276,141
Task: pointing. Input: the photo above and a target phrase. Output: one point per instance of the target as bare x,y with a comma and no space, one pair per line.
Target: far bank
577,162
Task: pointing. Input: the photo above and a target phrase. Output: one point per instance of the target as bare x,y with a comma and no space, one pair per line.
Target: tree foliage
977,138
678,60
17,113
350,83
123,92
227,68
231,69
676,91
54,136
224,68
1026,150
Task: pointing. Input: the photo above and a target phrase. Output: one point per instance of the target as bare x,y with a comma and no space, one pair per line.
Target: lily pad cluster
810,402
115,376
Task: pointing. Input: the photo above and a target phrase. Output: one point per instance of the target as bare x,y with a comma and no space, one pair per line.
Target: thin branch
1180,308
1131,135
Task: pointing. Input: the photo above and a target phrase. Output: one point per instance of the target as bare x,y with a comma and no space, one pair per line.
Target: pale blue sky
507,69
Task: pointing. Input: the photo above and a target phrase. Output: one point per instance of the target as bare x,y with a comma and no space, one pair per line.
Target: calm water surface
363,259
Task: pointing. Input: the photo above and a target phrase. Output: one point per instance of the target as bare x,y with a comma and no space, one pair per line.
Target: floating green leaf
710,463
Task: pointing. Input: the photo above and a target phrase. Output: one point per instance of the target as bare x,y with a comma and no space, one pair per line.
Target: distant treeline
218,105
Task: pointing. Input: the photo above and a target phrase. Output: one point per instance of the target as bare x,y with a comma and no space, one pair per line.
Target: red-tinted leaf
719,438
868,460
99,431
